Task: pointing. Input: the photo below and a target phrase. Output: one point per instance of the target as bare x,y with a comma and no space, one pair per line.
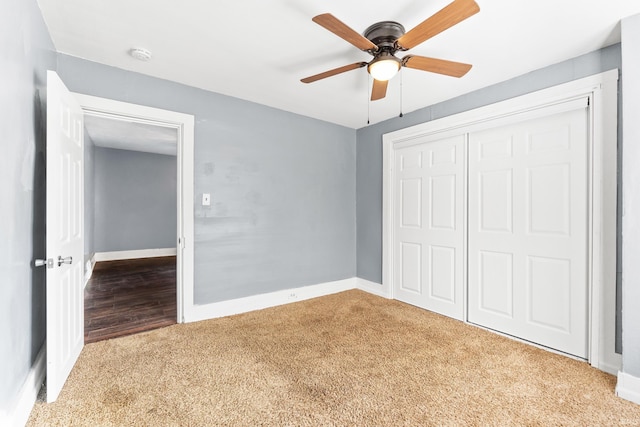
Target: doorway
130,227
182,125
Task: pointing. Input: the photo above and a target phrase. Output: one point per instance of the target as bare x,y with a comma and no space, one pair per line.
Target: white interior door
65,234
528,230
429,225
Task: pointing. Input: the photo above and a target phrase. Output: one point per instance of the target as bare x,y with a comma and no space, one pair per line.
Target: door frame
184,126
602,92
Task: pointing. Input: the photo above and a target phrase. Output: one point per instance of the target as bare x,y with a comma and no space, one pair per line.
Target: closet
490,224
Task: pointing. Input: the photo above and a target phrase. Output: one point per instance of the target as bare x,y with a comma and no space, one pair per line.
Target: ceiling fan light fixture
384,67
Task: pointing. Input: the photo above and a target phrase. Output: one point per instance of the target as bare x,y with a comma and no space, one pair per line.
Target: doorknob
67,260
43,262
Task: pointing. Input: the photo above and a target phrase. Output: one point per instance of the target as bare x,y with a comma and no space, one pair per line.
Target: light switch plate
206,199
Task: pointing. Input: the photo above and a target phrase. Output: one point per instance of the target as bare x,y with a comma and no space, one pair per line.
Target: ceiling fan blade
343,31
433,65
333,72
379,89
450,15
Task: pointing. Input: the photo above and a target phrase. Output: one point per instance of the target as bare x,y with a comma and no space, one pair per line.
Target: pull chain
401,89
368,98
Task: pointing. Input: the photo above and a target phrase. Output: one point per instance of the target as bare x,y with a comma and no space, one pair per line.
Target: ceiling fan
383,39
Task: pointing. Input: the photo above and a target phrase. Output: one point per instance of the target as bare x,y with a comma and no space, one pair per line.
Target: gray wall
26,52
89,189
282,185
631,178
135,200
369,142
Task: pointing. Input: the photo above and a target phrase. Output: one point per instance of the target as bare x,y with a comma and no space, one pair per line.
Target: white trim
91,262
387,214
184,125
613,367
601,89
19,414
484,117
134,254
603,225
372,287
628,387
272,299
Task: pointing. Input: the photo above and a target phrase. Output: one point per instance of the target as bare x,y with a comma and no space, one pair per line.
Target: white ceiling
125,135
259,50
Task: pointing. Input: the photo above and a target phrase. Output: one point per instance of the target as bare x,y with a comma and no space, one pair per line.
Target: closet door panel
429,225
528,191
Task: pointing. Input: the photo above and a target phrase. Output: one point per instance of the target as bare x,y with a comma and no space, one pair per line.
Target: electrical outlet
293,295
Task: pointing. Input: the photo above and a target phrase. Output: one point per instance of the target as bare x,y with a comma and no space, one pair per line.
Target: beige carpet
349,359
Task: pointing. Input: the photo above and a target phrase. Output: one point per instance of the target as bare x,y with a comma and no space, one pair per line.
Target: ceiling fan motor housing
384,35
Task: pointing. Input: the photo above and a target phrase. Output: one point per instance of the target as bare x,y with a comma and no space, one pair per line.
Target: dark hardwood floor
129,296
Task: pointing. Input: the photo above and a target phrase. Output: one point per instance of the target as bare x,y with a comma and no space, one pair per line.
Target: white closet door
429,226
528,230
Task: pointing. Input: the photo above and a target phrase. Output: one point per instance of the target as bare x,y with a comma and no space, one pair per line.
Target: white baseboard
372,287
140,253
19,414
628,387
272,299
612,366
